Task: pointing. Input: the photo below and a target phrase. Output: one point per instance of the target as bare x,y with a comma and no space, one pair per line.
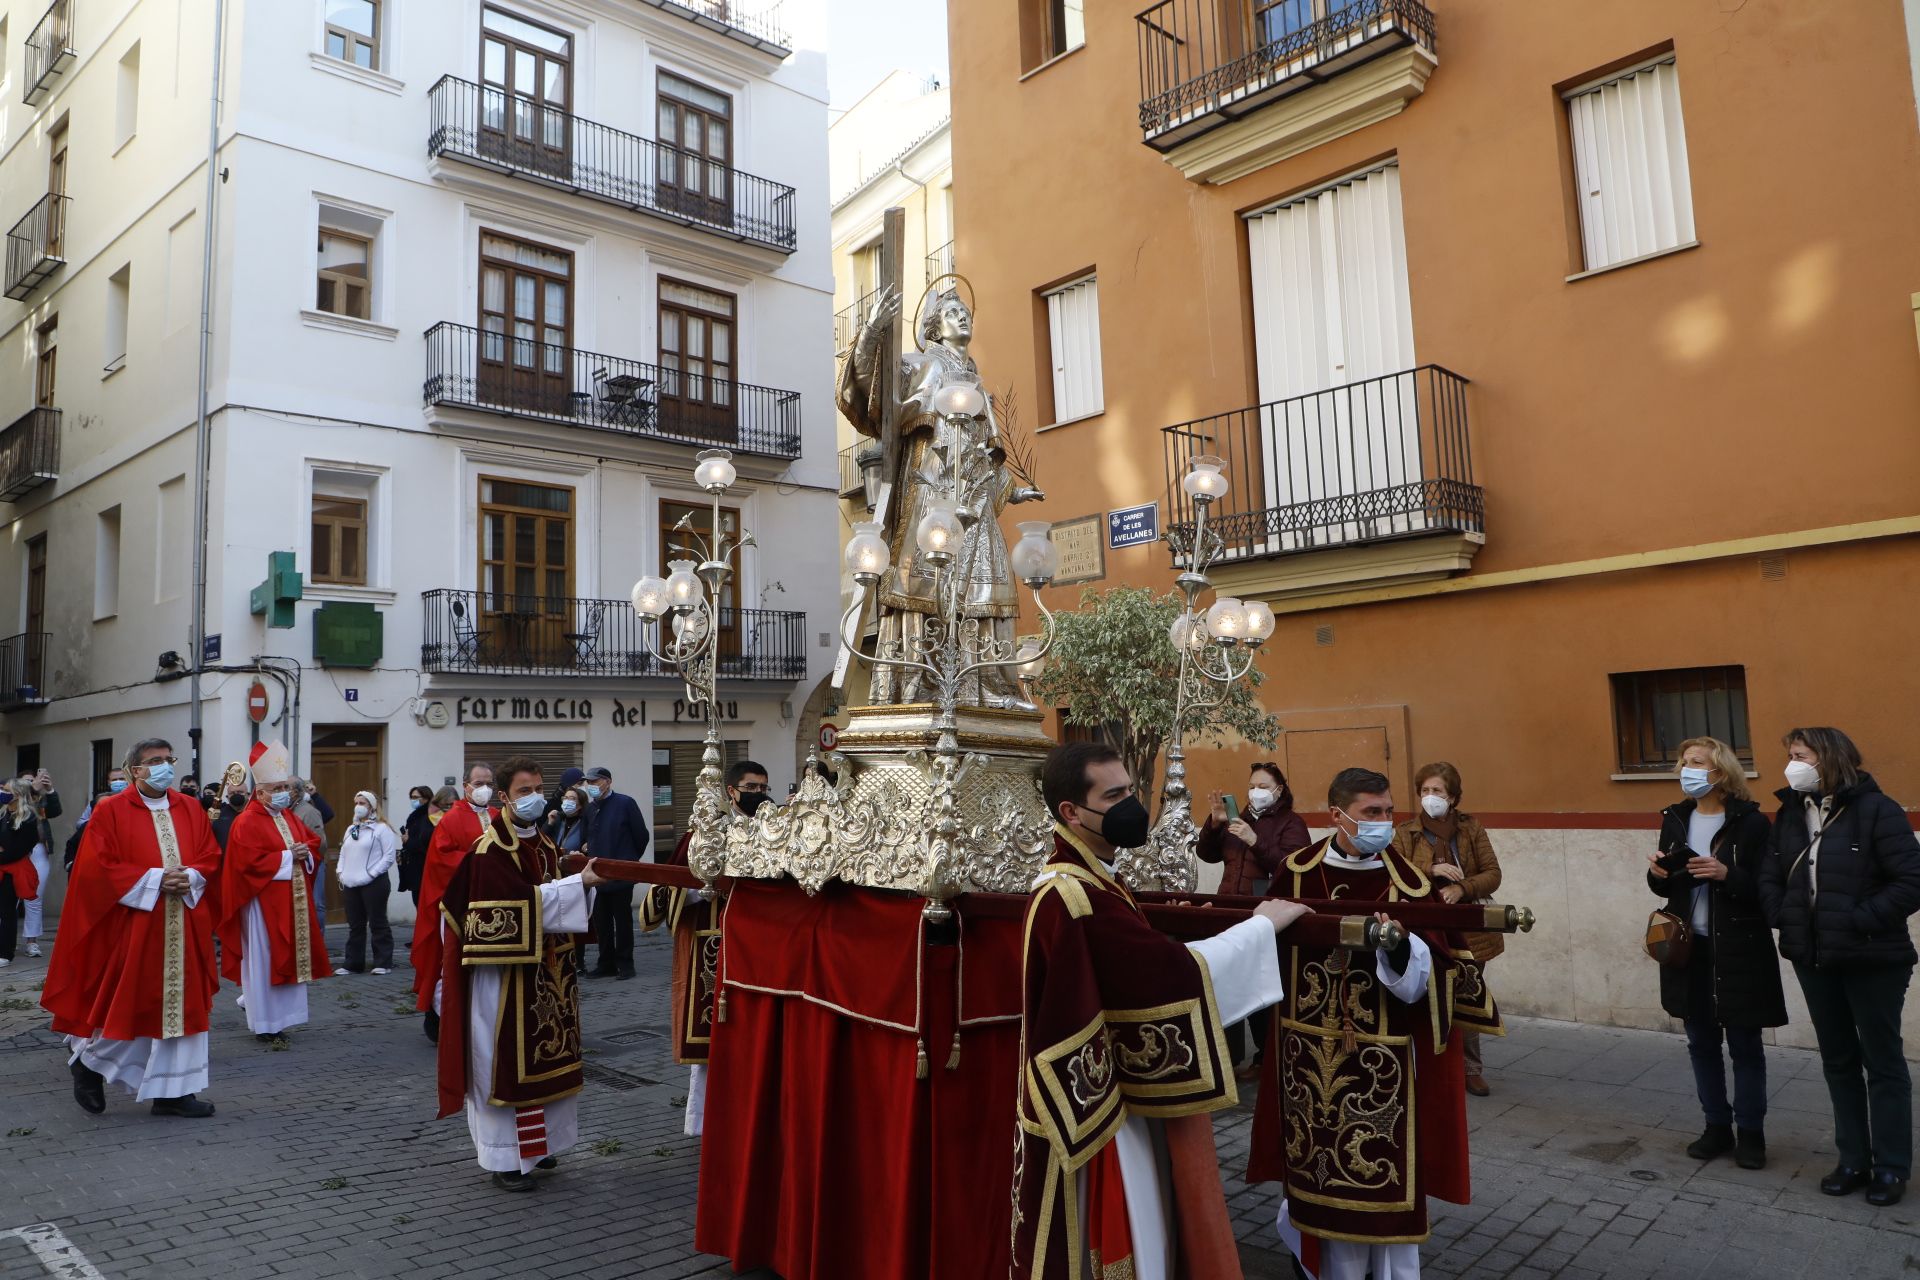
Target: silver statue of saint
923,474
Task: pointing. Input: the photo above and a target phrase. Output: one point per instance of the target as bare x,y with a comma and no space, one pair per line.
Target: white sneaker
33,949
383,971
5,963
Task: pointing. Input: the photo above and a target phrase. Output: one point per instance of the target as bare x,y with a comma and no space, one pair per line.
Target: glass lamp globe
650,597
1205,480
1182,632
1035,559
1259,621
1030,661
714,470
1227,620
866,555
960,400
683,589
939,531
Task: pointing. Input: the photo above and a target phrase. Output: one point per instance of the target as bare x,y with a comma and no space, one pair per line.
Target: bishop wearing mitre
271,939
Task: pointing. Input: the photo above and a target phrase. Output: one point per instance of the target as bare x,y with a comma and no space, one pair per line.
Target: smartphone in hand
1233,808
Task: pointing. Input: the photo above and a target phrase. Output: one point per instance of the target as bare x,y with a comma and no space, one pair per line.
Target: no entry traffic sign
257,702
829,736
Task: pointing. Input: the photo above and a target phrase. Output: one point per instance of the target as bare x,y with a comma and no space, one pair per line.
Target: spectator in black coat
615,829
1712,847
1841,879
415,833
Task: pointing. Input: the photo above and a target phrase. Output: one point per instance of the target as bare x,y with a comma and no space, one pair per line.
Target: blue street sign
1133,526
209,649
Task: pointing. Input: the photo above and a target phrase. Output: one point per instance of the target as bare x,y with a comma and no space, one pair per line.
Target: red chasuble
453,838
696,958
255,841
492,908
1362,1107
1118,1019
122,973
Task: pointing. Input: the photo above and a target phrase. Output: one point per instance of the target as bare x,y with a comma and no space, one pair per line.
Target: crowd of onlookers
1826,884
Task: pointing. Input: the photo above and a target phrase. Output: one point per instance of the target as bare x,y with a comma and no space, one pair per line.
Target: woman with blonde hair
1713,847
367,855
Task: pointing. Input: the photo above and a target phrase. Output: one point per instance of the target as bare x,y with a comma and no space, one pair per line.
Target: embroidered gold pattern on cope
1348,1127
302,911
1090,1072
173,973
1160,1050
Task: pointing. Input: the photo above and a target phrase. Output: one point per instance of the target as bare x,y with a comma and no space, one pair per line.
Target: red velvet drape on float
816,1105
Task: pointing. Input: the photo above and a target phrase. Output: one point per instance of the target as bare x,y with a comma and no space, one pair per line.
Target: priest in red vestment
452,840
693,918
132,978
1361,1110
1124,1052
509,1047
271,939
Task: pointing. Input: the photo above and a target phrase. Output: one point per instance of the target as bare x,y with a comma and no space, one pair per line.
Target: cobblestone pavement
324,1162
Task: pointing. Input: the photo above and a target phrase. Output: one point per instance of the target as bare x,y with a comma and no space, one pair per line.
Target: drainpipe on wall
201,444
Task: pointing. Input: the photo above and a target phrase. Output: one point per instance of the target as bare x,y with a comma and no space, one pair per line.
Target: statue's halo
932,292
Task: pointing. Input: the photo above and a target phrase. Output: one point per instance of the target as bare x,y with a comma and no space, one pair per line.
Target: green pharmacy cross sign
279,593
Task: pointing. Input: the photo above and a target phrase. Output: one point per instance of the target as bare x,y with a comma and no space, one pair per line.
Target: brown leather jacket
1475,857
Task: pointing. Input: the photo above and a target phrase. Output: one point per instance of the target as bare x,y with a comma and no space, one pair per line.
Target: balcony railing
852,483
49,50
846,321
940,262
474,369
36,246
23,670
29,453
1371,461
485,126
759,27
1206,62
492,633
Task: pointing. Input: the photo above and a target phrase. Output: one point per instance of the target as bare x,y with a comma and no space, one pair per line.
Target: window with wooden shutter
1630,165
1073,327
1655,711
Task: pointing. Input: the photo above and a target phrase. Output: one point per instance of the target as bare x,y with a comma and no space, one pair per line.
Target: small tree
1114,668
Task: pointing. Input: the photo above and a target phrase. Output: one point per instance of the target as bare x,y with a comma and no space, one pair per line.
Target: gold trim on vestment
696,985
302,906
173,969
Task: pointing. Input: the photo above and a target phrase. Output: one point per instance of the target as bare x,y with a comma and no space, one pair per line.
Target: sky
868,38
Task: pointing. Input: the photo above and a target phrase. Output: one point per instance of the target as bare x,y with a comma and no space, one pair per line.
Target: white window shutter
1073,327
1630,161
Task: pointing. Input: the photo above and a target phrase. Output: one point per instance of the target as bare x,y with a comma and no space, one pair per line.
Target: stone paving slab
324,1163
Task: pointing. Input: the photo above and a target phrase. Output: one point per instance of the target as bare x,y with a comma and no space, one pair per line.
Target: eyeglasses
148,764
752,788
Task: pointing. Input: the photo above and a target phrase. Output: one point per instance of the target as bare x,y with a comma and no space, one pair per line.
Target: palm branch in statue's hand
1015,443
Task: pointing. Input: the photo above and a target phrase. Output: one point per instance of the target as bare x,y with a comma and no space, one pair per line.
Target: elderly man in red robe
1124,1052
132,980
452,840
509,1047
271,938
1361,1113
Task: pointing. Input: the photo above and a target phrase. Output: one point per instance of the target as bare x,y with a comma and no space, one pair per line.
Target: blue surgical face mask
569,806
592,790
417,802
117,785
1695,782
280,799
160,776
529,807
1369,837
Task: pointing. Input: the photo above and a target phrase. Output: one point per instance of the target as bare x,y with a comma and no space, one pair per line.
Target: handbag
1669,940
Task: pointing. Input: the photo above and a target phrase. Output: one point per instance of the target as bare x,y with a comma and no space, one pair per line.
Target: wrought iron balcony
29,453
49,50
491,128
759,27
23,670
1372,461
846,321
471,368
1204,63
495,633
36,246
940,262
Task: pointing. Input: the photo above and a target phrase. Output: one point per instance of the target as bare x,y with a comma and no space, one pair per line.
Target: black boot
89,1088
187,1107
514,1181
431,1025
1716,1141
1750,1148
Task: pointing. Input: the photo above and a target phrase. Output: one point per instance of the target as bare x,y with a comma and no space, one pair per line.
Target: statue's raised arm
861,390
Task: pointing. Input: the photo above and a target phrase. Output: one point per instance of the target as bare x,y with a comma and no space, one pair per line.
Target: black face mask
750,801
1125,824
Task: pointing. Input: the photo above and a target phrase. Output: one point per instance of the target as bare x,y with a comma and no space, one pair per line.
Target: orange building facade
1564,366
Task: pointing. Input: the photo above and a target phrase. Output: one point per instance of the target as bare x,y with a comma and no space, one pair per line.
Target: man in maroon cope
452,839
132,978
509,1046
1123,1052
1361,1110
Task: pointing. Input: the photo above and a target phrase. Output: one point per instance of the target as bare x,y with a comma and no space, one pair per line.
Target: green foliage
607,1147
1115,670
333,1184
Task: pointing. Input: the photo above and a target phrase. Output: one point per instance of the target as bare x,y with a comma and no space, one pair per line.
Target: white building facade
487,276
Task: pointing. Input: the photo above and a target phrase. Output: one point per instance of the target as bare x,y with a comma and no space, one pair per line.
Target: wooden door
526,573
46,363
526,326
695,159
33,654
526,74
1311,757
685,544
697,361
345,760
57,186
